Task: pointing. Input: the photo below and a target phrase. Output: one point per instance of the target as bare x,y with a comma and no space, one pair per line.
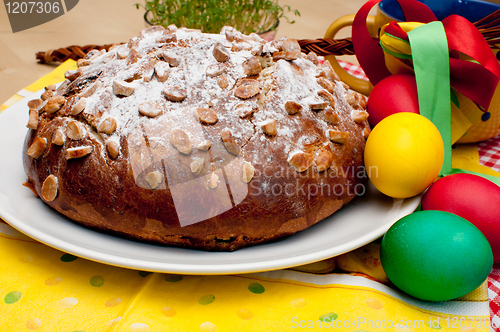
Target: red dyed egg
471,197
394,94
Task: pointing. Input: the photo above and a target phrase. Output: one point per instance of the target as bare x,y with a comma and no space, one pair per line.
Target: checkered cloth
489,155
494,297
353,69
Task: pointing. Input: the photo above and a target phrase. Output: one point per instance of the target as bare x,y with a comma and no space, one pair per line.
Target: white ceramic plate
362,221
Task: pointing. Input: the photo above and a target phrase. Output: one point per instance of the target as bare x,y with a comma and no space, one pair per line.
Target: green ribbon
429,49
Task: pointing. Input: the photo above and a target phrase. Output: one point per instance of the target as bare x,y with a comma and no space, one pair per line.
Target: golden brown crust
145,187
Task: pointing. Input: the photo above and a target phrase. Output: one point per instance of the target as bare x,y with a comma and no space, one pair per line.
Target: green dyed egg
435,255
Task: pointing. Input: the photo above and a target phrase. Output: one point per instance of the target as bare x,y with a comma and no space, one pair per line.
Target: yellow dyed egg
404,154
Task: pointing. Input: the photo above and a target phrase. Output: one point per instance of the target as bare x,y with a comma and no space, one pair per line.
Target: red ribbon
476,81
366,49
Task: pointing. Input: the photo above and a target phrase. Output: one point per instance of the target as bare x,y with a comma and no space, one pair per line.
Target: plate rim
190,269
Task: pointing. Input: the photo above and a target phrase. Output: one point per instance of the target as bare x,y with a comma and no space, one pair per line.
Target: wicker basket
488,26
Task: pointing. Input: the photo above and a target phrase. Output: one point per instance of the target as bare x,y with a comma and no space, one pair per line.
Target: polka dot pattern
374,304
244,314
12,297
256,288
168,312
113,321
33,324
433,325
135,301
208,327
139,327
175,303
68,258
173,278
52,281
97,281
298,303
206,299
113,302
328,317
68,302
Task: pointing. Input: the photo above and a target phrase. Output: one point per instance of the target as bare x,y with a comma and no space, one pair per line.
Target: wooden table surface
114,21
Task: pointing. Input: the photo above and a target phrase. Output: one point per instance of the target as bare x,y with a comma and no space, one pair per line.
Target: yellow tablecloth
43,289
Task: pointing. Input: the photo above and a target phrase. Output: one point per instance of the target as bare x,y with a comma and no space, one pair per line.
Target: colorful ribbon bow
441,54
474,70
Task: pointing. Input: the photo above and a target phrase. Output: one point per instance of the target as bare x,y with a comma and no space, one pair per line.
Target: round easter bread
206,141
